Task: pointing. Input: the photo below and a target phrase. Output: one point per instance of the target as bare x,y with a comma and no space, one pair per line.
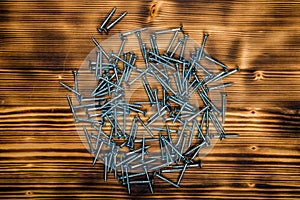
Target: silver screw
223,106
171,43
198,113
175,150
106,20
121,48
115,22
181,133
99,64
144,125
69,88
169,30
176,47
148,178
72,108
165,179
215,61
185,37
200,53
132,32
223,75
100,48
88,139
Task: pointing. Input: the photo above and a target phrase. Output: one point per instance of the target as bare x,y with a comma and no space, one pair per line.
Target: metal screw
106,20
200,54
223,106
171,43
69,88
100,48
132,32
185,37
176,47
165,179
170,30
115,22
144,125
72,108
215,61
124,39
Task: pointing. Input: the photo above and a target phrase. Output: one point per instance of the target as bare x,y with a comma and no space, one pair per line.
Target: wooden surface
41,155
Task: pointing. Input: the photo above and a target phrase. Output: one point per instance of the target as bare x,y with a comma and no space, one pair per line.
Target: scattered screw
106,20
120,150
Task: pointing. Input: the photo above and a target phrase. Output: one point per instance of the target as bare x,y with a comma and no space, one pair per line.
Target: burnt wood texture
41,154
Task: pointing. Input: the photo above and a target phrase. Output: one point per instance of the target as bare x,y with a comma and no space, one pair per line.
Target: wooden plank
41,154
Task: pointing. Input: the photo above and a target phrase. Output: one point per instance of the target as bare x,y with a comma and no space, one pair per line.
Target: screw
175,150
69,88
139,76
215,61
200,54
159,71
198,113
172,42
185,37
157,115
127,179
149,93
207,123
218,122
88,139
176,47
100,48
223,106
132,32
181,133
203,96
121,48
143,164
99,64
105,168
198,150
165,85
157,56
224,75
183,143
198,65
72,108
156,99
172,59
161,146
138,34
147,175
106,20
163,64
170,30
144,125
115,22
160,166
220,86
165,179
98,152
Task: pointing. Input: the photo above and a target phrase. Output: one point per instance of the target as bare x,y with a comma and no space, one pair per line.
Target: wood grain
41,155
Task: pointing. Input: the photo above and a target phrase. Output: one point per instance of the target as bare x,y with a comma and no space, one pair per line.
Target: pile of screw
107,28
141,151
